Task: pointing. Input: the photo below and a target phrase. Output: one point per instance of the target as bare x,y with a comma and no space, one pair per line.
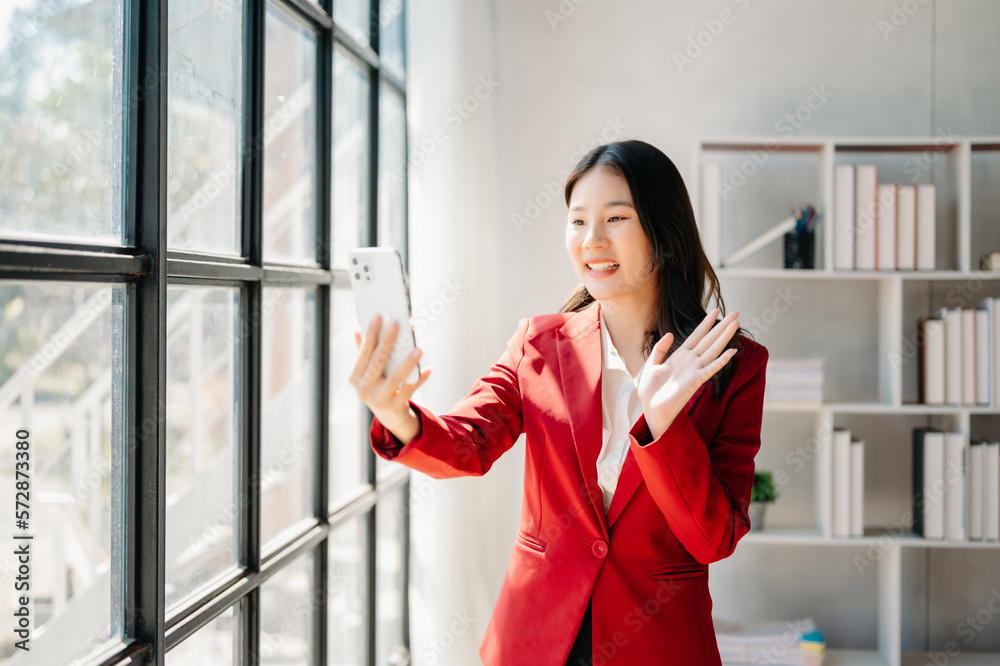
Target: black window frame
145,266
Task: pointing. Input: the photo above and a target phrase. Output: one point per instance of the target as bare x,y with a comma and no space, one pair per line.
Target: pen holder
800,249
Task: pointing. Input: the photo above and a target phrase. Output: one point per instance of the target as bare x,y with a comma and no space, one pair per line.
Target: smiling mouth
603,268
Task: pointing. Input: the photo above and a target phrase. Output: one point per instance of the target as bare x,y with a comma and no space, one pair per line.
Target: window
177,328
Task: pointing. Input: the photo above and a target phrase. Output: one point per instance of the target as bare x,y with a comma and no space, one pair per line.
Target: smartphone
381,288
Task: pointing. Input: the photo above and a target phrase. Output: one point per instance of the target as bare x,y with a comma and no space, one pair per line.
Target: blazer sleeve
704,491
480,428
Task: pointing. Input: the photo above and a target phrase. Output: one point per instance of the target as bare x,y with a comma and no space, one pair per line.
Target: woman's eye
575,221
616,218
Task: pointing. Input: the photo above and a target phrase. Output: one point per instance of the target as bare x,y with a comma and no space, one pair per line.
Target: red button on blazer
680,504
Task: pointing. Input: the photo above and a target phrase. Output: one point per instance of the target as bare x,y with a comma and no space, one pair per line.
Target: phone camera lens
354,260
357,276
365,269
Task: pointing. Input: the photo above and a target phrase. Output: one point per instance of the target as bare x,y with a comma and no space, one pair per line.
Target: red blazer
680,503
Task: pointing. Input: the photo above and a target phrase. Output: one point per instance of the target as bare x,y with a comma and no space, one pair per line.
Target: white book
952,354
995,335
968,356
933,488
926,226
841,482
886,238
843,217
865,216
955,483
906,228
977,477
711,211
932,358
991,512
857,487
984,361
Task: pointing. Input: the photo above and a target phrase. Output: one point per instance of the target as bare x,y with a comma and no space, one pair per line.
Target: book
841,482
968,356
991,511
928,482
926,226
955,483
711,212
885,239
995,349
952,354
984,353
857,487
906,228
865,216
843,218
977,491
931,361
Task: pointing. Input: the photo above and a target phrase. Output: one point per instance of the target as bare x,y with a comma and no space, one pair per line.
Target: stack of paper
796,643
795,380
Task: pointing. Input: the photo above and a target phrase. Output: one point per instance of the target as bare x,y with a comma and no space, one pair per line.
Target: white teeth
603,267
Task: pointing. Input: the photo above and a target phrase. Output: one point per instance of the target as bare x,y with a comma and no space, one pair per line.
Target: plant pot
756,514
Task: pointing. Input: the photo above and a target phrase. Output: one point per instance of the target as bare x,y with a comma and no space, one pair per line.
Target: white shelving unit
764,178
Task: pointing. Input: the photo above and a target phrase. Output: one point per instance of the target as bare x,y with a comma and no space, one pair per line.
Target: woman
636,479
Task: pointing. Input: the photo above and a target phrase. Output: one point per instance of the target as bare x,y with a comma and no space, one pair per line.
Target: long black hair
686,281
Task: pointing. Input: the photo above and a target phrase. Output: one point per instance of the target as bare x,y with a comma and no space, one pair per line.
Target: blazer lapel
579,352
580,365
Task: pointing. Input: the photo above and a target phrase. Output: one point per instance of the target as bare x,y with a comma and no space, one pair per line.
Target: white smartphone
381,288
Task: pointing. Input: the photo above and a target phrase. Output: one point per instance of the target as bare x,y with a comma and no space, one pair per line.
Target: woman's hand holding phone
387,400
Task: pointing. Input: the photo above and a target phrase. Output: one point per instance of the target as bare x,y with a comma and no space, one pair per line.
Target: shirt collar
610,357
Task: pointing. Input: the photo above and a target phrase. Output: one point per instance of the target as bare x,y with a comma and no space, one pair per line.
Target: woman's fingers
717,339
365,350
709,370
660,349
704,327
387,389
407,390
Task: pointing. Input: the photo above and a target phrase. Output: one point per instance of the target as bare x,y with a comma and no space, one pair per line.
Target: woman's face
602,227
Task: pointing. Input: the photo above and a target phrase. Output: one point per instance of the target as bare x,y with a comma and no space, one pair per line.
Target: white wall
608,72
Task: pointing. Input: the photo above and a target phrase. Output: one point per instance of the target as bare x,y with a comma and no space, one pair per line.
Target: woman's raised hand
388,401
667,385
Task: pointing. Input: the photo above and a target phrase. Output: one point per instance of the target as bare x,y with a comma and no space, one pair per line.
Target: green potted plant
762,494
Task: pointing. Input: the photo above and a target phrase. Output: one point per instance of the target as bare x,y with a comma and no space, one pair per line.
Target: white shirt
620,408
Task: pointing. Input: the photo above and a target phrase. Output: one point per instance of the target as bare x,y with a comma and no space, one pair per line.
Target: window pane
215,644
286,614
288,435
354,15
346,585
61,119
204,125
389,580
348,438
391,20
61,380
392,172
202,427
351,155
289,140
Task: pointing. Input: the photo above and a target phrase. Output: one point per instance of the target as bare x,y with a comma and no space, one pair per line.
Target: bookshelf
863,323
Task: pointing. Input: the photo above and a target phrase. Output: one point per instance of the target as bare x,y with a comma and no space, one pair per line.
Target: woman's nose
594,238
